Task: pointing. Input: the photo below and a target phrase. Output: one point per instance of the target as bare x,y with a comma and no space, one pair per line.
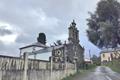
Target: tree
104,25
96,60
42,38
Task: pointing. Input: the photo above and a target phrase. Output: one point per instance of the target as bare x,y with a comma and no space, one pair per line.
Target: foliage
42,38
91,66
96,60
80,72
104,24
72,76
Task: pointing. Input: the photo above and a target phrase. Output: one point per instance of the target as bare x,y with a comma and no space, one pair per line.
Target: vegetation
96,60
42,38
114,65
91,66
81,72
71,76
104,24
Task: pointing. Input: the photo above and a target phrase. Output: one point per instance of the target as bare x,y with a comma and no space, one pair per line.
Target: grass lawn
114,65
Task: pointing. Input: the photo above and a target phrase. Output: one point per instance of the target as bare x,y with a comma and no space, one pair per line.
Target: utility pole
89,55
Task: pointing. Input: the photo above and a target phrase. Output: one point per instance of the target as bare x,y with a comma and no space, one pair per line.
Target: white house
87,60
32,47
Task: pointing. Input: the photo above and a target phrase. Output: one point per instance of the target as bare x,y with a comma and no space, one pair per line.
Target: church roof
58,46
36,44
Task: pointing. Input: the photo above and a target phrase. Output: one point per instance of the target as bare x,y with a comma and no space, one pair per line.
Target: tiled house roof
110,50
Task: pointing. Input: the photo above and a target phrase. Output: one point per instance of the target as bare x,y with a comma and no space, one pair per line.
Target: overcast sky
22,20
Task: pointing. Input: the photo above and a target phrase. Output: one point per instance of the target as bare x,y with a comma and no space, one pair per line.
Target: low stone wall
12,68
34,74
16,63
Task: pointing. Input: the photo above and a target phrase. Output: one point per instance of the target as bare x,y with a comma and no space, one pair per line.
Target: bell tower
73,33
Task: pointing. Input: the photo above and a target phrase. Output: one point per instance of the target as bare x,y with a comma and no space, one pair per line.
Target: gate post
51,68
25,66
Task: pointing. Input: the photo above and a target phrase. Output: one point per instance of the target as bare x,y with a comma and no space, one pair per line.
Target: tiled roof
110,50
58,46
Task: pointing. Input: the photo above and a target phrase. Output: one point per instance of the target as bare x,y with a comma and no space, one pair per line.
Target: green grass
70,77
81,72
114,65
74,75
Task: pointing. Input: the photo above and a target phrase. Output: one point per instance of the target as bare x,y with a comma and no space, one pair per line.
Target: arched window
103,55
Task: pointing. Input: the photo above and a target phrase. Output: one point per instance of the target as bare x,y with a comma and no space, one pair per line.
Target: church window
103,55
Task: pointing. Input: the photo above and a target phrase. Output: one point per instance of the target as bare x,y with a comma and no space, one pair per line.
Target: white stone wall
11,68
16,63
34,74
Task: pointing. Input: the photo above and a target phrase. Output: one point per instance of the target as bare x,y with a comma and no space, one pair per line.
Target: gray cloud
49,16
4,32
9,50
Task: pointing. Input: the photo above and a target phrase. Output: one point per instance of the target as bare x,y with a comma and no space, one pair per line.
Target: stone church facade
70,51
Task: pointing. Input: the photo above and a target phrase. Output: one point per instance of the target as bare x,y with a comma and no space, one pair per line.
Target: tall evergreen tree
104,24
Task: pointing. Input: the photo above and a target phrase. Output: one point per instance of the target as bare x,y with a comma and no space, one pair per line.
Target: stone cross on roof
73,23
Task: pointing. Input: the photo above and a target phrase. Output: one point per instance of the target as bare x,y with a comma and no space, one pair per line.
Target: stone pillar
25,66
51,67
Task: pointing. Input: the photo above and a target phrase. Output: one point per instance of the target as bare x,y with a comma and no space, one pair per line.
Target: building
70,51
110,54
32,47
88,61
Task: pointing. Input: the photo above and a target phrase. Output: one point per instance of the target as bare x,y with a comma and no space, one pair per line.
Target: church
70,51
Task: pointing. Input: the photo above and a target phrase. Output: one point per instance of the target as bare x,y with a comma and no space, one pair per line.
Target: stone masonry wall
16,63
34,74
11,68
